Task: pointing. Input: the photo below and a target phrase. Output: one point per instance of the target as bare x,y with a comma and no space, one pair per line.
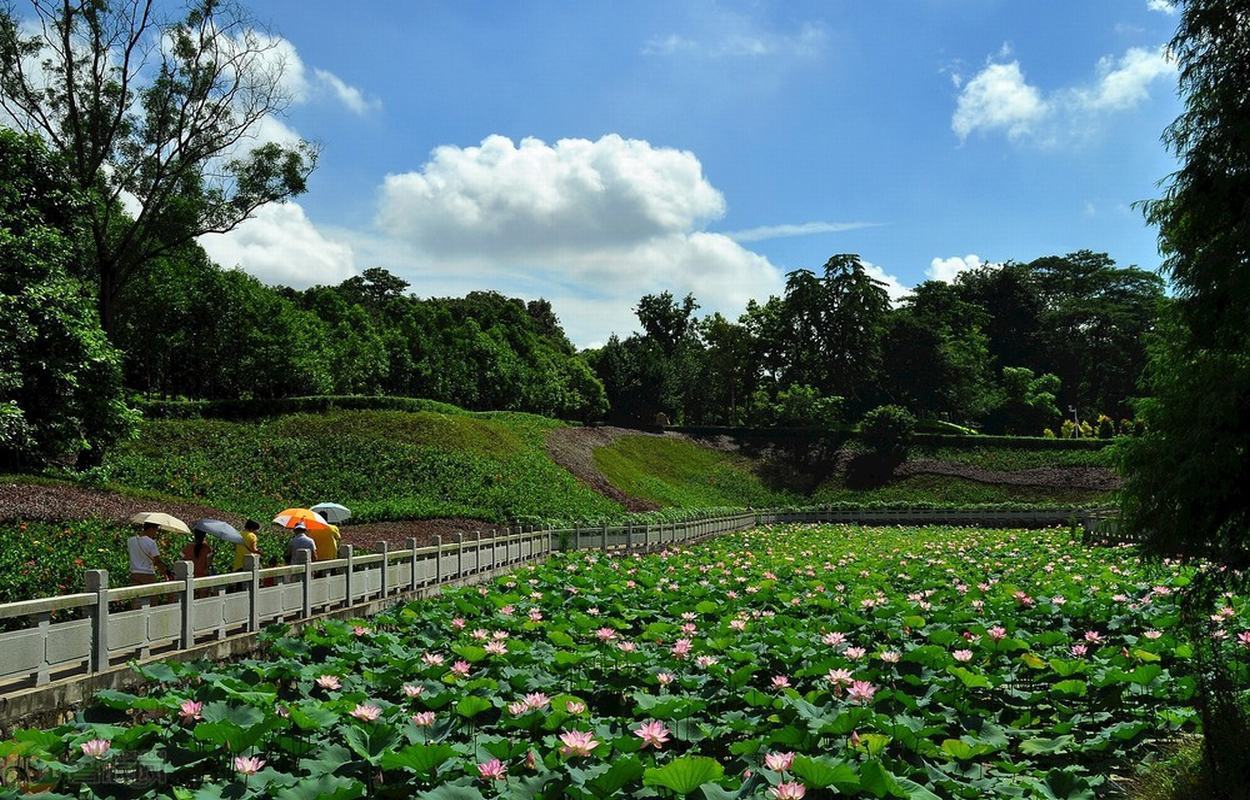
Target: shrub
888,429
1047,433
1106,427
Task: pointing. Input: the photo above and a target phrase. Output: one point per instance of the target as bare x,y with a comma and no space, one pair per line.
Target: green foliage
947,490
1029,403
956,708
798,406
680,473
888,429
382,464
60,379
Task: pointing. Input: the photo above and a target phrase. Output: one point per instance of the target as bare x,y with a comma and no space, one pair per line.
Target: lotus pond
782,662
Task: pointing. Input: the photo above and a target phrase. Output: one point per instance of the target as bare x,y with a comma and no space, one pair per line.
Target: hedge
257,408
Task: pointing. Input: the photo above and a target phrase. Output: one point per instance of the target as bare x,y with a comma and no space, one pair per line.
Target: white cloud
948,269
348,95
739,37
281,245
605,220
1162,6
1125,82
893,286
764,232
999,99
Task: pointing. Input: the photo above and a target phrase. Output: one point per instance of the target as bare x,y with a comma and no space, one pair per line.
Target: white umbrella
162,521
221,530
333,512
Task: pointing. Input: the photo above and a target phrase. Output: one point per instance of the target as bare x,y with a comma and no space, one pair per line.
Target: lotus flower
575,707
248,765
790,790
963,656
780,682
1079,649
861,692
577,743
653,734
779,762
432,659
329,683
1243,638
997,633
496,648
605,634
665,678
95,748
460,669
423,719
493,770
191,710
412,691
537,701
366,712
360,630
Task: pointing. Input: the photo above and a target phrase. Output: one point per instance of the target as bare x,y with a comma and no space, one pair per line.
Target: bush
888,429
1106,427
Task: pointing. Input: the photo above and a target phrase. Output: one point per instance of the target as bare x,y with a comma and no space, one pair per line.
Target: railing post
185,571
460,555
477,551
385,547
494,547
603,538
412,545
98,581
303,558
438,560
251,563
348,552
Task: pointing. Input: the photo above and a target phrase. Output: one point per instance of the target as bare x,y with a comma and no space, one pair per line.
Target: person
300,540
248,546
199,554
145,555
327,540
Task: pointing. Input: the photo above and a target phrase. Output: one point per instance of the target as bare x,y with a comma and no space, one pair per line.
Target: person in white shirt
300,540
145,556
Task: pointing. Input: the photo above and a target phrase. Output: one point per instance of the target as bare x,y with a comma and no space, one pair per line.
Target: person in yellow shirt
327,541
250,545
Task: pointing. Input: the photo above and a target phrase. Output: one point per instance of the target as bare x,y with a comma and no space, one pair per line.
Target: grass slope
679,473
382,464
944,489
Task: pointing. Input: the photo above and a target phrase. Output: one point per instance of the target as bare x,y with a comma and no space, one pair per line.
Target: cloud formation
281,245
999,99
738,37
765,232
948,269
1162,6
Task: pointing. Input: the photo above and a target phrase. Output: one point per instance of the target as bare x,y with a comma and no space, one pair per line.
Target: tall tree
155,115
1188,487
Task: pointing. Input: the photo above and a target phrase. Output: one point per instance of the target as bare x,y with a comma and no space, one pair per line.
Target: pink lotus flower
458,624
738,624
665,678
360,630
248,765
1152,635
605,634
1243,638
780,682
833,638
191,710
861,692
653,734
1093,637
507,610
626,647
890,657
460,669
496,648
790,790
518,708
329,682
779,762
1079,649
423,719
432,659
480,634
366,712
95,748
577,743
493,770
839,678
681,648
855,653
413,691
537,701
962,656
535,615
997,633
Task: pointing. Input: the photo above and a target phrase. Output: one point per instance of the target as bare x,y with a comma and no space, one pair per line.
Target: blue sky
591,152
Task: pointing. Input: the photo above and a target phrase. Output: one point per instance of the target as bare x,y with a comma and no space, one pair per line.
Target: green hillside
382,464
682,474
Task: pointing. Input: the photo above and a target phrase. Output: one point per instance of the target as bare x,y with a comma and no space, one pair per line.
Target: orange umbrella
293,516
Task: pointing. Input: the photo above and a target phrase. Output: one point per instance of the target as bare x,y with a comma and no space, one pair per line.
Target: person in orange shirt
327,540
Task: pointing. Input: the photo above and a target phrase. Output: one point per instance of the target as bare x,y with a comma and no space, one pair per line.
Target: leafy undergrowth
1179,774
780,662
1011,459
949,489
382,464
678,472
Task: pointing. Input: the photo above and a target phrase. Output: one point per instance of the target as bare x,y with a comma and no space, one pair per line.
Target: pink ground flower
95,748
577,743
962,656
779,762
703,662
653,734
839,678
329,682
790,790
248,765
861,692
423,719
191,710
493,770
366,712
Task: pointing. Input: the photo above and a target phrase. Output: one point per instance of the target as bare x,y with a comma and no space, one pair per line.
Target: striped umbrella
293,516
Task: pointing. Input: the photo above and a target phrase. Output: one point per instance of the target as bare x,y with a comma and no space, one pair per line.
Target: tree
60,379
1028,402
665,320
1187,476
158,115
